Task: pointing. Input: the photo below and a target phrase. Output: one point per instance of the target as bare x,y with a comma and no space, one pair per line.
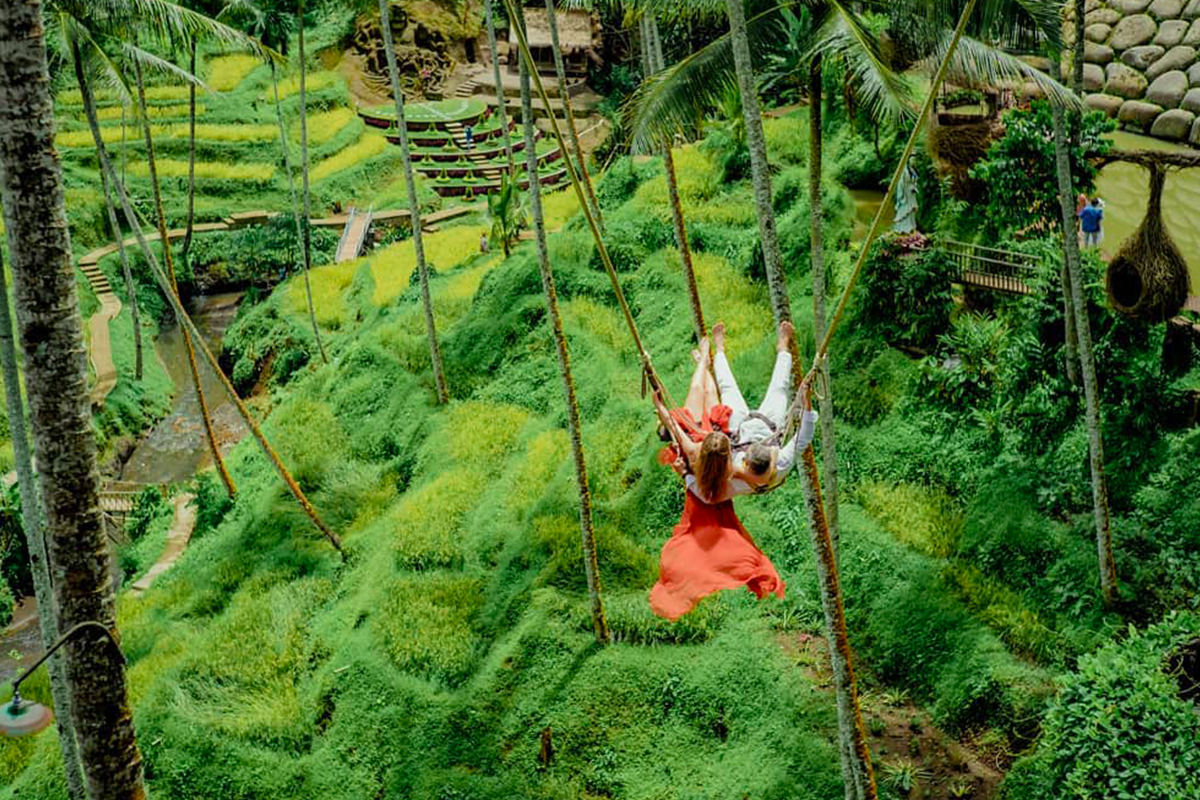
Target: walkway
177,541
353,236
101,349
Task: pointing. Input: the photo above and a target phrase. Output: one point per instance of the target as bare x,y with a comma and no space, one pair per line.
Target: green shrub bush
1118,727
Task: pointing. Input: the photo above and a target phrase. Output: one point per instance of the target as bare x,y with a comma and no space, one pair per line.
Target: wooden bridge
991,268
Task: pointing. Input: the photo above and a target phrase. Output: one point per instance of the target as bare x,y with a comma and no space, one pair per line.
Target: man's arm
789,454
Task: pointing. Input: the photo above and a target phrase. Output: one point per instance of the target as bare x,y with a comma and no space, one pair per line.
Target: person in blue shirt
1090,222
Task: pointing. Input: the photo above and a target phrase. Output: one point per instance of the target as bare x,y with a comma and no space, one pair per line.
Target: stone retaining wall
1141,64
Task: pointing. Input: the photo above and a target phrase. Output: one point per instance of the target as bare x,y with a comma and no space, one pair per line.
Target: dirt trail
903,738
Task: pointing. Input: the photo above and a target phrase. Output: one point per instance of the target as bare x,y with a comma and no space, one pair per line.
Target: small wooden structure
990,268
577,38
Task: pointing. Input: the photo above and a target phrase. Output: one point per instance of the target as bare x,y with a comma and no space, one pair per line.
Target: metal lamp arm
61,641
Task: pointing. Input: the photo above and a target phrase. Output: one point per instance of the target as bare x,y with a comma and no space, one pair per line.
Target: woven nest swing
1148,278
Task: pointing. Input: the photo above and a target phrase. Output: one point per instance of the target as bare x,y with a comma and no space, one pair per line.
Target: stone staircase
467,88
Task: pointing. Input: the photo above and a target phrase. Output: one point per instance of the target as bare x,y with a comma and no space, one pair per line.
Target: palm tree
653,62
414,206
31,518
561,74
590,563
164,283
52,337
306,239
1087,359
126,274
501,105
165,240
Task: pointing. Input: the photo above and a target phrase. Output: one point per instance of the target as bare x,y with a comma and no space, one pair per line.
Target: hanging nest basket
956,148
1148,278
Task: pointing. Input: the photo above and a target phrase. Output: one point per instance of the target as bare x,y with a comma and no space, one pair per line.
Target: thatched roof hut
577,36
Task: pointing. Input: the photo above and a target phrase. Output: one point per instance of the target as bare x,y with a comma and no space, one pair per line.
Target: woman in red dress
710,550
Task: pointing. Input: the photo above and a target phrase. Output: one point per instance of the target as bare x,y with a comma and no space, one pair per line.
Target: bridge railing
991,268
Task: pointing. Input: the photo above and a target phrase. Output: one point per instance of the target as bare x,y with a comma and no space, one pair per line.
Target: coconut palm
164,283
31,521
565,96
590,563
501,105
306,239
127,276
48,322
1087,358
165,239
653,61
414,206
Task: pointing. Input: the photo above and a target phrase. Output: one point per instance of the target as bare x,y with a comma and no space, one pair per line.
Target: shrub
148,505
1119,727
904,297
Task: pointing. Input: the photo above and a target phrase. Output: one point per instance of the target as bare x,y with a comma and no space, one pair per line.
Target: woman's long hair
712,466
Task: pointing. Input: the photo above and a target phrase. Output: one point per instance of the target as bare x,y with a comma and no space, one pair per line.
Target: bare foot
786,331
718,337
696,356
704,350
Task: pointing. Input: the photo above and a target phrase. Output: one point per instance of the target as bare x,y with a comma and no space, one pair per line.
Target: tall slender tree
297,219
501,100
574,428
656,63
816,221
190,225
164,239
164,283
857,773
55,364
126,275
414,205
565,96
1087,359
306,238
35,542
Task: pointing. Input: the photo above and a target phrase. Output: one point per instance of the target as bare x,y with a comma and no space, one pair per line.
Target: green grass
453,110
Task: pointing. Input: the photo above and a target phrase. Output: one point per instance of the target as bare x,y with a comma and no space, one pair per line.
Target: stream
173,450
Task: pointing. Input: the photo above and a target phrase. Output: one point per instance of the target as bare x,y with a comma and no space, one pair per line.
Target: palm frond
677,98
978,65
1017,24
885,94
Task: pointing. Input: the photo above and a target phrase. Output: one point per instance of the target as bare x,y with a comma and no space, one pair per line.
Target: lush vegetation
451,655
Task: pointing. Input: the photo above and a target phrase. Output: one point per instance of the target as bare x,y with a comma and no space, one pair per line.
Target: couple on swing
727,450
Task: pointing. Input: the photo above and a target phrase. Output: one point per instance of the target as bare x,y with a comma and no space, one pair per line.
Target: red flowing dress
710,550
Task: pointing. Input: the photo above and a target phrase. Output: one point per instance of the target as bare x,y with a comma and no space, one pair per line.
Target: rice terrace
481,400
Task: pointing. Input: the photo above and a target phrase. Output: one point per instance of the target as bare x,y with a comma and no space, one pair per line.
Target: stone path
101,345
177,541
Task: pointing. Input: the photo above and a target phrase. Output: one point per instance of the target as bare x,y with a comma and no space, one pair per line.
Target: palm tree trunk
501,105
306,238
1071,351
590,563
185,322
856,761
287,169
816,227
60,415
127,274
165,241
31,517
561,74
1108,573
414,207
760,169
652,62
1077,66
191,188
852,733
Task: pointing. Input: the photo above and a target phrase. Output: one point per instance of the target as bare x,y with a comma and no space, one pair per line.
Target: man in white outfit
759,462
